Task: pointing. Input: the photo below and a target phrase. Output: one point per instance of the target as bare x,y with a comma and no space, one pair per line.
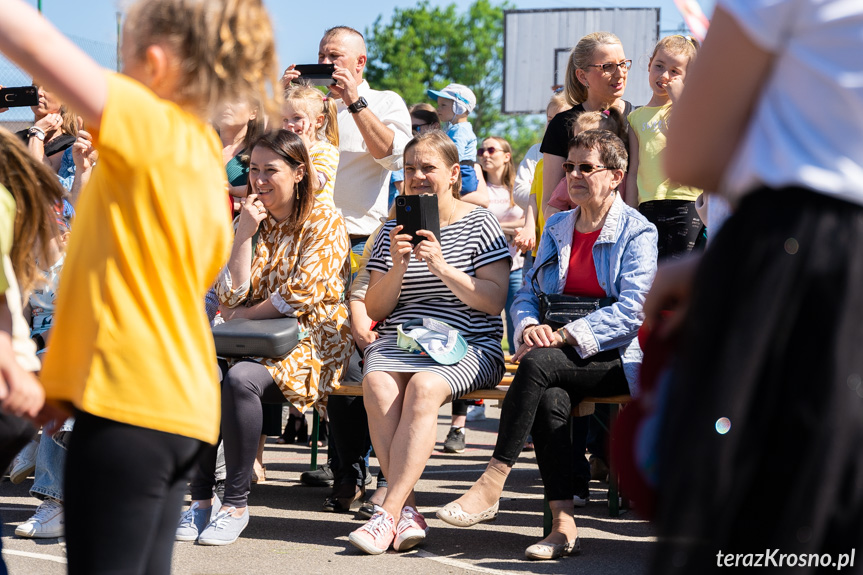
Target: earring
297,190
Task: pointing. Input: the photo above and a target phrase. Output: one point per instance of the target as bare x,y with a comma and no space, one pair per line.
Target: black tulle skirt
773,348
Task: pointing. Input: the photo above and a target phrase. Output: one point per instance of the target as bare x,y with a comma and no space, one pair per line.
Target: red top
581,278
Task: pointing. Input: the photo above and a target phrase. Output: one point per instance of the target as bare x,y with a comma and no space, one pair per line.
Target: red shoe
376,535
411,530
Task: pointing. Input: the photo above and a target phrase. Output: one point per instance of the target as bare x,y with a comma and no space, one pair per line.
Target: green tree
428,47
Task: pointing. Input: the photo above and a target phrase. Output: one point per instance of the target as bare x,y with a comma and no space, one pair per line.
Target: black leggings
245,387
549,381
124,491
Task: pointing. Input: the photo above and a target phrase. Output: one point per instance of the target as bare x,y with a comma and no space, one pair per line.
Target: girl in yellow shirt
131,351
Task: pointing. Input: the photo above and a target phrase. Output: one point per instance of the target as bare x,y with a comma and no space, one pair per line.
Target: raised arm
38,47
690,158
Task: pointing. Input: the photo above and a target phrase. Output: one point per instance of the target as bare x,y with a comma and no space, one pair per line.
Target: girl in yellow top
667,204
131,350
313,116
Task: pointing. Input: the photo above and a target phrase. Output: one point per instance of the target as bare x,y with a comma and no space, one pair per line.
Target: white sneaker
24,463
475,412
46,523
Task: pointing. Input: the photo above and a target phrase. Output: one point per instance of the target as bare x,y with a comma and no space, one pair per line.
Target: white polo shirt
362,182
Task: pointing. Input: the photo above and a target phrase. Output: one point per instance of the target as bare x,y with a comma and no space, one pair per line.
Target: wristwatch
38,132
358,105
562,333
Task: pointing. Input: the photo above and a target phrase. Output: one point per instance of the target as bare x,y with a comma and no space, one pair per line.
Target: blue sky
299,28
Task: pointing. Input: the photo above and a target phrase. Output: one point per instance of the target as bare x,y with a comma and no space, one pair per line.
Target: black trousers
679,227
124,492
548,382
772,348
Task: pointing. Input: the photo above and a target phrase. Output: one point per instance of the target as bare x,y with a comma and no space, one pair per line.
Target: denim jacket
625,258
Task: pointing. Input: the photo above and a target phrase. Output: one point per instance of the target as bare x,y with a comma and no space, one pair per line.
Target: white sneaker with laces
24,463
46,523
475,412
376,536
224,529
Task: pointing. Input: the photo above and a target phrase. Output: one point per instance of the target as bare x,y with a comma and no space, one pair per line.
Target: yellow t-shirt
651,128
131,341
536,190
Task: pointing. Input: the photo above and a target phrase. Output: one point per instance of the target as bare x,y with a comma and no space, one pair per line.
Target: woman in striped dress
462,281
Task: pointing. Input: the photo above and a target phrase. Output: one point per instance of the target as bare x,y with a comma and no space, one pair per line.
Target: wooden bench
586,407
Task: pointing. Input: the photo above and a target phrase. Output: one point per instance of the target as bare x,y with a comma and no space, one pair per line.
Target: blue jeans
515,279
51,465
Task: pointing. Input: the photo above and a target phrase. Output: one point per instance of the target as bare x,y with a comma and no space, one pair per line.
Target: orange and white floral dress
303,274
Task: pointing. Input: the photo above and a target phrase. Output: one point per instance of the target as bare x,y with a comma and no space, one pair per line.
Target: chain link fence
104,53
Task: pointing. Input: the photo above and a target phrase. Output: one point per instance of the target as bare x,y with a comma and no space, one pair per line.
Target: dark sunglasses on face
491,150
416,127
569,167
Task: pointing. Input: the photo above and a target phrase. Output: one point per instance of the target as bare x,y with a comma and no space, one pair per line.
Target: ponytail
331,123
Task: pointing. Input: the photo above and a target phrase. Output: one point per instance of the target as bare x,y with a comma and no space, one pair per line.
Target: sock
485,492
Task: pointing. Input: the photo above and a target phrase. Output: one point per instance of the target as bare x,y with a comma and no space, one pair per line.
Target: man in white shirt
374,127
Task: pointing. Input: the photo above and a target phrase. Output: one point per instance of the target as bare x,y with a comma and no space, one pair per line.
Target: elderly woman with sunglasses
595,80
601,249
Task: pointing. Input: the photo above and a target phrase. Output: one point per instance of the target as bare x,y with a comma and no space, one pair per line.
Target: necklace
451,211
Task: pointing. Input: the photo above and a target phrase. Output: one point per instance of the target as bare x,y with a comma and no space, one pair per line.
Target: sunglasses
569,167
609,67
416,127
491,150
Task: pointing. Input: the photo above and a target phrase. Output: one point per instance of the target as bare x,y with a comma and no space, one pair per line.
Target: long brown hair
35,190
290,148
508,176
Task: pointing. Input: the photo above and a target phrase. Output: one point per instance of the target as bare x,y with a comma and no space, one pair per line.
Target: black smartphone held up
316,74
19,97
418,213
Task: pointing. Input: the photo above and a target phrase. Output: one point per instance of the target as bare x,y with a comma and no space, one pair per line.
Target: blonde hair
314,103
508,176
610,120
36,190
580,58
224,49
439,143
677,44
70,121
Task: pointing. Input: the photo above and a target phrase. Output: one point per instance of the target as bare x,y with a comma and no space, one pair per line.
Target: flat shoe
545,551
453,514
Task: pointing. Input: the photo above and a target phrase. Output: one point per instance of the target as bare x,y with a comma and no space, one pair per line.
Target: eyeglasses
416,127
609,67
582,169
491,150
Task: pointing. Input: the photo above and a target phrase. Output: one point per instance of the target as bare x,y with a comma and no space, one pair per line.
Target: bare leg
459,420
414,439
383,396
259,459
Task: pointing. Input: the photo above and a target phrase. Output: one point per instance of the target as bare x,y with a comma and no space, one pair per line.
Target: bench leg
316,422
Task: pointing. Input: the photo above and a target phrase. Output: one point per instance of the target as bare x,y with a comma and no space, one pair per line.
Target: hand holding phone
416,213
24,96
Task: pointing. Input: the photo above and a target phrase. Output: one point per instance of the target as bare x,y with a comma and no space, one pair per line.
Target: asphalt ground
290,533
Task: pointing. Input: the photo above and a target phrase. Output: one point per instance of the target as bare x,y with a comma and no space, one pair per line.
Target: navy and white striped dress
472,242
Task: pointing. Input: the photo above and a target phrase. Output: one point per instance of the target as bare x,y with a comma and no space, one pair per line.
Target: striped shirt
472,242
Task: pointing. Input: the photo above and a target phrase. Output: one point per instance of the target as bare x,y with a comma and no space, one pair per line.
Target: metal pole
39,6
119,29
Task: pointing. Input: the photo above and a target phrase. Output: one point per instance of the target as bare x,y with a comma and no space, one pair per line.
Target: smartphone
418,213
316,74
19,97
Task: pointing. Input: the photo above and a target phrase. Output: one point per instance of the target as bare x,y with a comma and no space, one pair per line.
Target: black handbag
557,310
270,338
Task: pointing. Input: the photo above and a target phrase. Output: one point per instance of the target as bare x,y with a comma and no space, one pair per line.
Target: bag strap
533,283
